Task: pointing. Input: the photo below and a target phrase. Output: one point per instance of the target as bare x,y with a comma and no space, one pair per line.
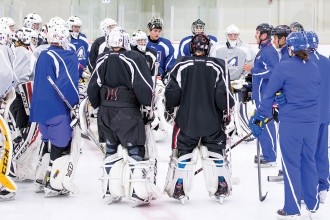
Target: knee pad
175,172
215,166
113,176
142,180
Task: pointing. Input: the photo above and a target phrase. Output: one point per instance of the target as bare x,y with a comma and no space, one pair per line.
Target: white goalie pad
142,180
84,116
60,169
25,90
186,174
215,166
113,176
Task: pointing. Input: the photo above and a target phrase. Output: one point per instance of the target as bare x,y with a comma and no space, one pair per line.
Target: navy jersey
300,82
165,53
98,47
62,66
323,64
266,59
81,46
184,46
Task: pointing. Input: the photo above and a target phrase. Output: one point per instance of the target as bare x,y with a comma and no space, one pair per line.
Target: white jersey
236,57
23,65
7,76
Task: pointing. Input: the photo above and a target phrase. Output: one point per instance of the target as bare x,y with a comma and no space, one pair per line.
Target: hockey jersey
300,82
197,85
236,57
81,45
165,54
184,46
150,56
98,47
62,66
6,71
126,69
266,59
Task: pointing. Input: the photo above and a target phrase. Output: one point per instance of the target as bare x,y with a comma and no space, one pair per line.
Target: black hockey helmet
265,28
200,42
155,22
281,30
296,26
197,24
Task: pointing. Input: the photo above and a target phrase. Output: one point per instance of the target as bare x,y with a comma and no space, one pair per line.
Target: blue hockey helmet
200,42
312,39
297,41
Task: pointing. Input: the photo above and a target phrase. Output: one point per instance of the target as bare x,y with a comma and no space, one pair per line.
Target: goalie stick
261,197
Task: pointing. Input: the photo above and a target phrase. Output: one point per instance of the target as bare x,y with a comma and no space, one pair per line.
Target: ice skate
137,201
222,191
264,163
6,195
179,193
111,199
323,195
312,215
51,192
281,214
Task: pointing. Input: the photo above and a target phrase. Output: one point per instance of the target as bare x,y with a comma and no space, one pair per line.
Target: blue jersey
165,53
323,64
300,82
184,46
81,47
284,53
62,66
264,63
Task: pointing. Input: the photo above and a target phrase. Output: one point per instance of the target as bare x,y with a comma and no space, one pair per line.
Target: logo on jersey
233,61
81,53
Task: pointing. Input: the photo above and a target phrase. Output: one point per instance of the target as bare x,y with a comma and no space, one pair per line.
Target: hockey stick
73,112
261,197
278,178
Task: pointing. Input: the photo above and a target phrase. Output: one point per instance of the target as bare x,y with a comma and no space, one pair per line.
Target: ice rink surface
88,204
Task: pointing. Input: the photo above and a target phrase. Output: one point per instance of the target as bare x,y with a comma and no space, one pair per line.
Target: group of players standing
126,78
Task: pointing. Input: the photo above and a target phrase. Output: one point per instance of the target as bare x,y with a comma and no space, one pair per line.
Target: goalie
199,85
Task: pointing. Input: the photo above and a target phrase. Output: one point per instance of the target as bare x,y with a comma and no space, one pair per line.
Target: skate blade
8,197
112,200
52,193
220,199
139,204
183,199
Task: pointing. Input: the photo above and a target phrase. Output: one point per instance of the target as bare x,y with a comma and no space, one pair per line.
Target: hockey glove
248,78
246,93
280,98
275,112
257,123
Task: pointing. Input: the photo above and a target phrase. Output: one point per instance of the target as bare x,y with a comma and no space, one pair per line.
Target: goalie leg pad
181,168
41,169
216,171
60,169
113,177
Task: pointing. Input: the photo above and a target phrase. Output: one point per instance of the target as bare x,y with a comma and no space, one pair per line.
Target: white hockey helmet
31,19
5,34
9,22
74,21
56,21
27,36
232,29
107,25
139,39
58,34
118,37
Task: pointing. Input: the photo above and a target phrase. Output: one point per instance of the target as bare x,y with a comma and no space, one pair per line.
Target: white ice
242,204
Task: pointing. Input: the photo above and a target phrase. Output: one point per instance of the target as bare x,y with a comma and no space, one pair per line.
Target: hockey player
265,61
200,86
79,40
237,54
99,45
299,127
7,95
11,24
52,114
23,156
33,20
321,155
121,83
139,43
197,27
164,48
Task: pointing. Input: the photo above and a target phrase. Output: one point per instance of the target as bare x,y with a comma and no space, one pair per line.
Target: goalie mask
200,42
198,27
9,22
107,25
5,35
118,37
139,39
58,34
296,27
33,21
27,36
232,30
